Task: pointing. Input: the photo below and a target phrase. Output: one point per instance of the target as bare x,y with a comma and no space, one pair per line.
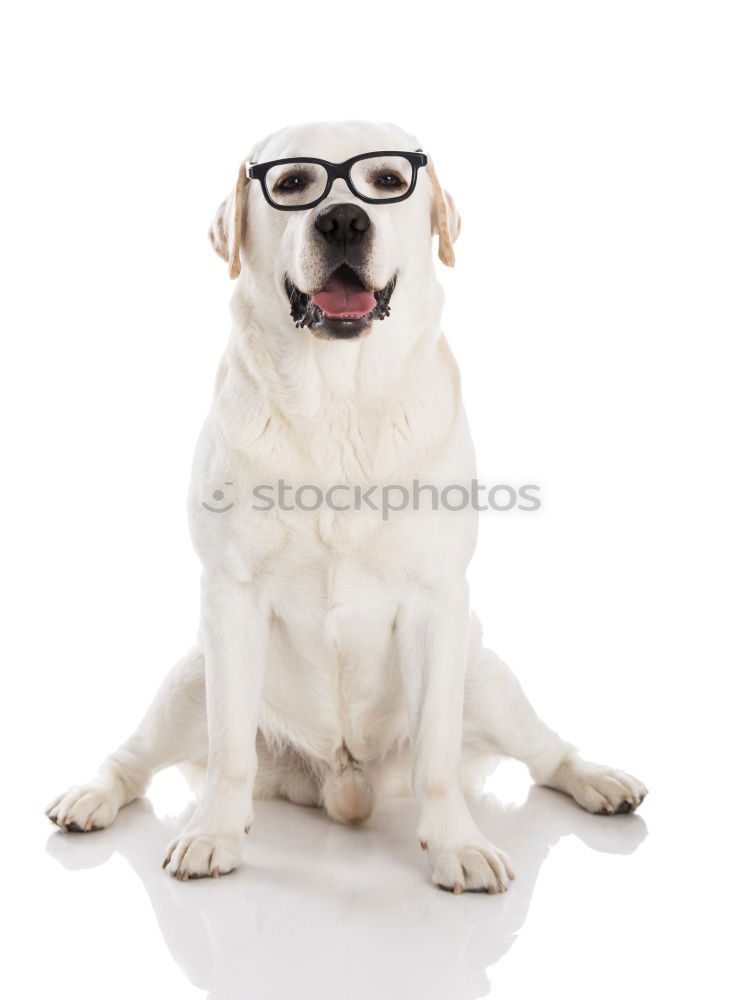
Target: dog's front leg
432,630
235,642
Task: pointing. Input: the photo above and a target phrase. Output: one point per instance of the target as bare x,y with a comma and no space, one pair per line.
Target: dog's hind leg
285,773
172,731
500,721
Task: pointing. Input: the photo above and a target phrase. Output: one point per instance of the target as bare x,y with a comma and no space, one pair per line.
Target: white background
594,150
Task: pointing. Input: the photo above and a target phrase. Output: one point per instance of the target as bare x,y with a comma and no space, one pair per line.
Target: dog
337,657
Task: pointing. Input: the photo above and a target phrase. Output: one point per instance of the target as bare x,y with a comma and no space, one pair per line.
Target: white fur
344,642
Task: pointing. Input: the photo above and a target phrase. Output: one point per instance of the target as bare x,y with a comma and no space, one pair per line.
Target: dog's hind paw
599,789
85,808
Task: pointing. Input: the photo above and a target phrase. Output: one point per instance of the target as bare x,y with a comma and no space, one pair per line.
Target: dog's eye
292,182
382,178
295,184
388,180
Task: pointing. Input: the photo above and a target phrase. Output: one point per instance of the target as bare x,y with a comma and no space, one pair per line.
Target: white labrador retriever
337,657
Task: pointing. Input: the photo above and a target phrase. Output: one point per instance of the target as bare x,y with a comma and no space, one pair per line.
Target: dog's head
335,245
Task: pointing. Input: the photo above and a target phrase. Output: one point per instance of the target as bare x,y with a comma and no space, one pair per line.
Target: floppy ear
226,231
447,220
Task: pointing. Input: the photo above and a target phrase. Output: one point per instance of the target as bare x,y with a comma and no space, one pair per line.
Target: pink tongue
339,299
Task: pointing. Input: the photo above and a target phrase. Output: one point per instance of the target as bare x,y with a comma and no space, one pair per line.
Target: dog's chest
332,676
331,580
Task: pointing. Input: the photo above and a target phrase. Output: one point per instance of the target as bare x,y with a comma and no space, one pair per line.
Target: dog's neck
303,373
398,376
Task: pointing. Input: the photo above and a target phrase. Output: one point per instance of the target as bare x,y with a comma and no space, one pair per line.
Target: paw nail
457,890
424,845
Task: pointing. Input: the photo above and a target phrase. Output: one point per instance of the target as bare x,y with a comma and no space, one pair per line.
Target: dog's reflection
322,909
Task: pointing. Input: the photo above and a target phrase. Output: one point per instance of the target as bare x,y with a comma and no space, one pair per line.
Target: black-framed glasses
300,182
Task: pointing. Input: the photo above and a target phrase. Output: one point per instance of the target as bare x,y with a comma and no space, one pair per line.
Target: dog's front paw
85,808
597,788
196,854
477,867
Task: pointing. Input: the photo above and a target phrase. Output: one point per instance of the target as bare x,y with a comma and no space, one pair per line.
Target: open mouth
343,308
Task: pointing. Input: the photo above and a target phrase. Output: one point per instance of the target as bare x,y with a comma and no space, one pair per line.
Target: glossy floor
321,910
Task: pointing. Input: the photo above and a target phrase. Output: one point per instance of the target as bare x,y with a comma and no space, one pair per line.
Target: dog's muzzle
344,306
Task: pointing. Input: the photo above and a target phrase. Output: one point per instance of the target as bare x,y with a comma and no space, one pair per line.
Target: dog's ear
447,221
227,230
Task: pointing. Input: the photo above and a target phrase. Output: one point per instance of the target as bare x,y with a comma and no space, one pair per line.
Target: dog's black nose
342,225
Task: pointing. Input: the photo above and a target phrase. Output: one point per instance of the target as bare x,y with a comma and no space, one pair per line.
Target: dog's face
334,268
